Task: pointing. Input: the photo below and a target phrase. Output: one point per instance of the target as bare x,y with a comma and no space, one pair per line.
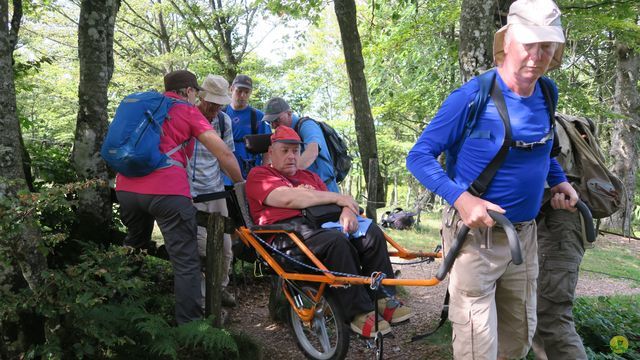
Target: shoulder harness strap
480,185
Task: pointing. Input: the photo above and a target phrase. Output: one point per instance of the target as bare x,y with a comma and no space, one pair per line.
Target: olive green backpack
583,163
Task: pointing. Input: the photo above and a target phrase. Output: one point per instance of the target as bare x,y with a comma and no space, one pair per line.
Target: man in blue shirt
315,155
493,302
245,121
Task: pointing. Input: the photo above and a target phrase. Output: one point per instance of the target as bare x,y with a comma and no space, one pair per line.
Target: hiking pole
512,236
588,220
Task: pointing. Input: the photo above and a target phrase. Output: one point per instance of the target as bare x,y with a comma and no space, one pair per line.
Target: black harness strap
443,318
211,196
480,185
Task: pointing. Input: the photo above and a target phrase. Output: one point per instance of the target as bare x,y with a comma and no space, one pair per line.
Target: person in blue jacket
315,155
493,302
245,120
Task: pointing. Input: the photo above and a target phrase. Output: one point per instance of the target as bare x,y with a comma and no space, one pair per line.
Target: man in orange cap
277,193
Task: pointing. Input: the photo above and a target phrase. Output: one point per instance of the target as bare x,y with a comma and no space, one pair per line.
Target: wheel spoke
322,338
321,333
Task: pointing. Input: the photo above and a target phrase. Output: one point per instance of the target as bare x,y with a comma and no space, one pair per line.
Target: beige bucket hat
215,89
532,21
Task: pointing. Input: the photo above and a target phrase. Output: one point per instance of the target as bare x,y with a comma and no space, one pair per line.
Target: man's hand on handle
473,210
564,197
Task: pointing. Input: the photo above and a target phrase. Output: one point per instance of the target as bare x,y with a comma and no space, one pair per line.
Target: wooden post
372,189
214,268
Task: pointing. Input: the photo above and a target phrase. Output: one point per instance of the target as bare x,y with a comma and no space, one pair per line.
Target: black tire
327,336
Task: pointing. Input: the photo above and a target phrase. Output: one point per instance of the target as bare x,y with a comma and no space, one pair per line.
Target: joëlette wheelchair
318,324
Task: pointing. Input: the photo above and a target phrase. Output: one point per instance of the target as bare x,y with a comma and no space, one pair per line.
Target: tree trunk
95,51
365,130
24,246
31,260
626,130
475,54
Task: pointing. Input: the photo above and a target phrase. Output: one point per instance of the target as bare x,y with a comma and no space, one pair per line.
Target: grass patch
614,261
424,236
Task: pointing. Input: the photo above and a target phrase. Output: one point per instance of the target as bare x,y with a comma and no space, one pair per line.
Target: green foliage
293,9
95,302
600,319
50,208
50,162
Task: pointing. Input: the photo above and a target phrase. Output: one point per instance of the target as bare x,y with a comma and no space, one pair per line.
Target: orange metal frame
326,278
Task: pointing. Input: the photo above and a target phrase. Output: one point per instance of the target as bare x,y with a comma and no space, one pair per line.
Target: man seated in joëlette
278,192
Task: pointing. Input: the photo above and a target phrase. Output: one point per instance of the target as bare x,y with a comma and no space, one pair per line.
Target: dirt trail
252,315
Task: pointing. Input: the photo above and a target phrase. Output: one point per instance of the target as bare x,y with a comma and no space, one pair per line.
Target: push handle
588,220
512,236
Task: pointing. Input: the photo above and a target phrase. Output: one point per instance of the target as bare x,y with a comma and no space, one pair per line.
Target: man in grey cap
245,121
164,196
315,155
493,302
205,177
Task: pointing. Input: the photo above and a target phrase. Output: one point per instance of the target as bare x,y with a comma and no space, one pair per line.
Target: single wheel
326,336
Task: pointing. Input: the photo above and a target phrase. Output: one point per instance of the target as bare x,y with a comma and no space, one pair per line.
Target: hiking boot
228,299
364,324
393,310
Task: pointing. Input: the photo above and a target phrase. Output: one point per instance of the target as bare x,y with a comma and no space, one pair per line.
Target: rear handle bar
509,229
588,220
512,236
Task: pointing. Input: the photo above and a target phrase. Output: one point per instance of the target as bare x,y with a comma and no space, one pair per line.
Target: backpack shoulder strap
485,82
550,93
299,123
481,183
221,124
254,121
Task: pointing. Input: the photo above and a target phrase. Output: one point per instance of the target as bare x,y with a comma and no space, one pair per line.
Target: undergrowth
95,301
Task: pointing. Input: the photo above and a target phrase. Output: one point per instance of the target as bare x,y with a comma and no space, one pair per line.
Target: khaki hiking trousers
492,301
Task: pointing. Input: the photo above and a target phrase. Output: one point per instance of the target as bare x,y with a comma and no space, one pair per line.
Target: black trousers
176,218
360,256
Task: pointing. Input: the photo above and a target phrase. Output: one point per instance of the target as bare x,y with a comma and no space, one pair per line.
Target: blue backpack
132,144
338,149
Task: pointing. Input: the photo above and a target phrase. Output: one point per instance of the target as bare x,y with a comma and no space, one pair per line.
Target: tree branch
127,54
164,35
143,50
74,21
216,55
152,31
250,14
204,27
16,18
49,38
225,38
144,20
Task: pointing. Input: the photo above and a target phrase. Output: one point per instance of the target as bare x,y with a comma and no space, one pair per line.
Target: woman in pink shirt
164,196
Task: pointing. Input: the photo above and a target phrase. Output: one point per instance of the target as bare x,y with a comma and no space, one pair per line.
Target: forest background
65,65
